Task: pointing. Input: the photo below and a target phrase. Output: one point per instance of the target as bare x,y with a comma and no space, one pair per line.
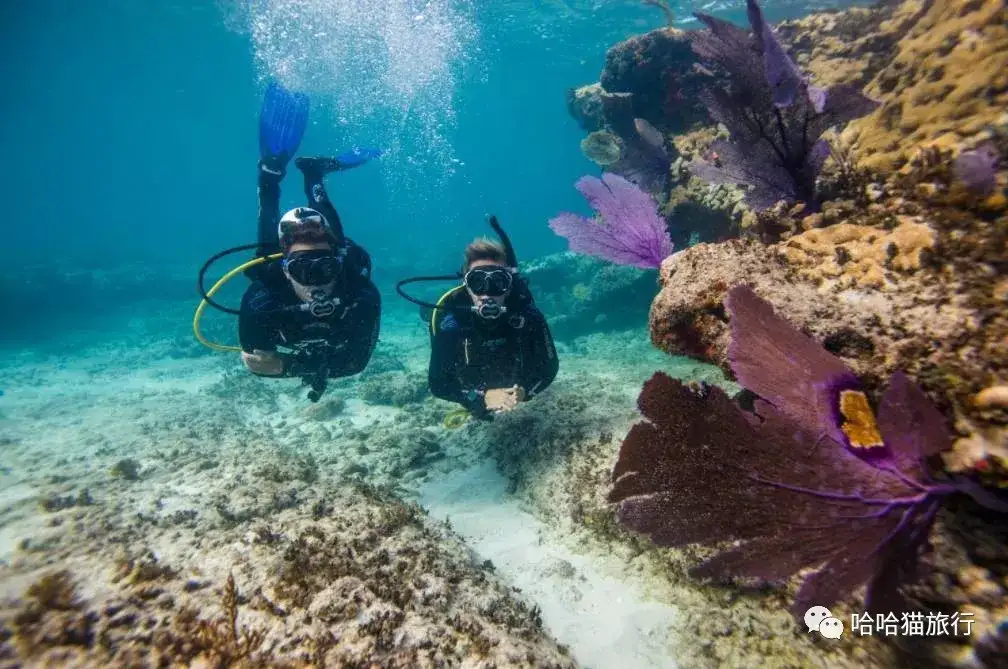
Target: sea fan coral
631,231
645,162
775,118
810,479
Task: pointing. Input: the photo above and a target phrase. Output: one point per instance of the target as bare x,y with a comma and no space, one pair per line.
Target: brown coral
223,639
847,255
54,591
947,82
52,616
687,316
850,47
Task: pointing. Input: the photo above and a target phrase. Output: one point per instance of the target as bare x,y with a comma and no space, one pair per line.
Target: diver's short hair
483,248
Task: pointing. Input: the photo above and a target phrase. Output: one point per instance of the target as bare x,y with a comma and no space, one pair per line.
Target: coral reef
845,255
656,70
776,119
938,67
852,45
945,84
704,212
897,272
881,299
810,478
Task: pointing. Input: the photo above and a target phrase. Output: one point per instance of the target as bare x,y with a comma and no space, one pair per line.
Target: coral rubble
371,581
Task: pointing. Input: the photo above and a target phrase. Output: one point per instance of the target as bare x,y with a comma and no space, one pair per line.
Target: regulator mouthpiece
321,305
490,309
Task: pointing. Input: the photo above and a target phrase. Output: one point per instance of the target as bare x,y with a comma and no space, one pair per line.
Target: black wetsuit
347,338
470,355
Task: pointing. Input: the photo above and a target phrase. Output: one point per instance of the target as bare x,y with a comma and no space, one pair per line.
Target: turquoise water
129,127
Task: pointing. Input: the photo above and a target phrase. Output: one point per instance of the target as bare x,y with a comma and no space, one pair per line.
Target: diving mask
313,268
488,281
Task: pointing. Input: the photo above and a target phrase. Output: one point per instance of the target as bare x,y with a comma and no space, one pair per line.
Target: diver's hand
504,399
263,363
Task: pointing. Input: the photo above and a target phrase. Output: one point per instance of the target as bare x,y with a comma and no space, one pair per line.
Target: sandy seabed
162,506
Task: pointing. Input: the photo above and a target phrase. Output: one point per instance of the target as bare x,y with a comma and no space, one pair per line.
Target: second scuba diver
490,345
314,313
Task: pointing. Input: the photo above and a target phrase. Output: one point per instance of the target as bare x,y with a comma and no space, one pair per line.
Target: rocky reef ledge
907,269
900,266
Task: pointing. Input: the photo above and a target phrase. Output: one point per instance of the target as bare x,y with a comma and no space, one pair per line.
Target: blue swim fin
345,161
283,118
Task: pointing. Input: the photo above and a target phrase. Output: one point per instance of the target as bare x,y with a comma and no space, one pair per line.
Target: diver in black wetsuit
490,345
333,328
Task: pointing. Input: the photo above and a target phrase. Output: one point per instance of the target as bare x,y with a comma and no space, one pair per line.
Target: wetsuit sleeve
268,218
269,211
314,188
362,325
442,374
540,354
254,331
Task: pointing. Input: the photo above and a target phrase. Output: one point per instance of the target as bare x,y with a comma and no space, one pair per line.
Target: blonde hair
483,249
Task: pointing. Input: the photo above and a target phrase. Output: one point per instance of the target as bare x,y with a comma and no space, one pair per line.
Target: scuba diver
312,310
490,345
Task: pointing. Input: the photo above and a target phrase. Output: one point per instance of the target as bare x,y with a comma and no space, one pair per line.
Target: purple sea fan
630,233
646,161
776,481
774,117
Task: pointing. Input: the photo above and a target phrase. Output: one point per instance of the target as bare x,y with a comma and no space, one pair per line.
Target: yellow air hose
433,317
459,417
210,293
